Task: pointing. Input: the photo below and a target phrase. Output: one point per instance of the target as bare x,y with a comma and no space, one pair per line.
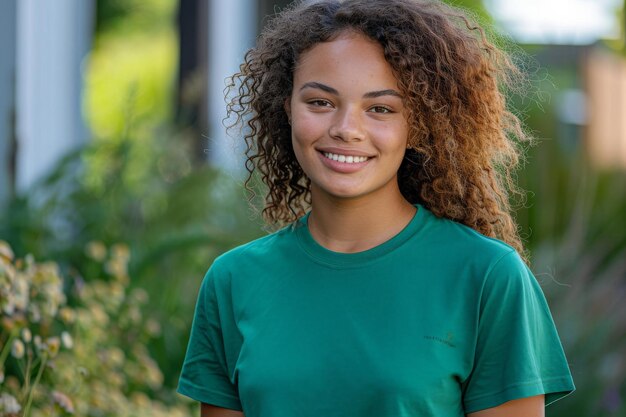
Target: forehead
350,59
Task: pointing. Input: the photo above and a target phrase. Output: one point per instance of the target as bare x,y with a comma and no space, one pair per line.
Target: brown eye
319,103
381,109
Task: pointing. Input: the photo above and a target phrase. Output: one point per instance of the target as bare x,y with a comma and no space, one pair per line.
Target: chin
342,193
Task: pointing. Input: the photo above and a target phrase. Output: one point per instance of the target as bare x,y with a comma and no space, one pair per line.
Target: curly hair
464,144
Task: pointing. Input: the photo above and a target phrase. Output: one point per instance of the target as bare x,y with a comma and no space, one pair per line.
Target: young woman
396,286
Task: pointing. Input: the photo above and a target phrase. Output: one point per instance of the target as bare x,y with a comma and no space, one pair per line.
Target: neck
359,224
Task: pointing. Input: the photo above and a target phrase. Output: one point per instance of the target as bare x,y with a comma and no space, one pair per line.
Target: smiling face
349,131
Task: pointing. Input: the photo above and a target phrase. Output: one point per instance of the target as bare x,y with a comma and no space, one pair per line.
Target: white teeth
348,159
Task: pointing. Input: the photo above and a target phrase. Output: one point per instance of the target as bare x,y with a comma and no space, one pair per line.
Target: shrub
76,347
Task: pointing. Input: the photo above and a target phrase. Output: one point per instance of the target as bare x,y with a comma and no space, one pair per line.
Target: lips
345,163
343,151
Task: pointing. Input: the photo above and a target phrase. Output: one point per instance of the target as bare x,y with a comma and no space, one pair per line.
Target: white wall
53,38
232,31
7,97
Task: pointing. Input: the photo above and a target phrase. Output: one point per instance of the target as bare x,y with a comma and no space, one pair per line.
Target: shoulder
255,251
460,242
238,271
483,265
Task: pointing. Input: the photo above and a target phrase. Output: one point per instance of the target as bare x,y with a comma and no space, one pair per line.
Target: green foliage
133,15
142,93
31,302
131,69
75,348
475,7
175,220
577,224
136,182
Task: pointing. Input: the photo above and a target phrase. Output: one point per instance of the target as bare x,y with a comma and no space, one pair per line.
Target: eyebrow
330,90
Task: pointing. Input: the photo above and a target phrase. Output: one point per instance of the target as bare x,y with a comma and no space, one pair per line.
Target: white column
7,98
232,31
53,37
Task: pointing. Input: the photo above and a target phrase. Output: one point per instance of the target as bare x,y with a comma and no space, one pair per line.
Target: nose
347,125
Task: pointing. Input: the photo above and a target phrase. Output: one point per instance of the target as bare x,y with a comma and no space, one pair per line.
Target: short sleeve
204,375
518,353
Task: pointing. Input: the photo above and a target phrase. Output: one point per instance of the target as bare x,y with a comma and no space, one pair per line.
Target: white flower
121,251
67,315
5,251
52,345
27,336
35,313
67,341
9,404
63,401
20,292
17,350
96,251
115,356
38,342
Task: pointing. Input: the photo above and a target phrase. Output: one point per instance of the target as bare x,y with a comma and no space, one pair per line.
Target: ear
287,107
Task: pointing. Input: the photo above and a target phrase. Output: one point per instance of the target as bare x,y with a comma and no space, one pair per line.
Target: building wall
8,10
53,37
605,79
232,31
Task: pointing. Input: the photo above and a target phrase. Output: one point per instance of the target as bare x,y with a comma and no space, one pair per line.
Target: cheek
393,139
402,135
305,130
301,144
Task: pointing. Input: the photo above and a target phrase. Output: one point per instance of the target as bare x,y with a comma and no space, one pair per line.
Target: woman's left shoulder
469,244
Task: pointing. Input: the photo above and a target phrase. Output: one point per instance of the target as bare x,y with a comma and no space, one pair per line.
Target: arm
207,410
523,407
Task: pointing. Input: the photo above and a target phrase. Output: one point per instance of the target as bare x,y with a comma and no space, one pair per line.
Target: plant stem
26,374
7,347
32,389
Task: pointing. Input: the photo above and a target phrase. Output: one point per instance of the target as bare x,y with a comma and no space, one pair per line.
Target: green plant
574,225
75,347
174,218
582,267
31,301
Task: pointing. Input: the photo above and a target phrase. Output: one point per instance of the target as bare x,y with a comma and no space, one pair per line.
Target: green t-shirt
437,321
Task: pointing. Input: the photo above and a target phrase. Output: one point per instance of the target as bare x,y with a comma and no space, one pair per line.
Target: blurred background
119,185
